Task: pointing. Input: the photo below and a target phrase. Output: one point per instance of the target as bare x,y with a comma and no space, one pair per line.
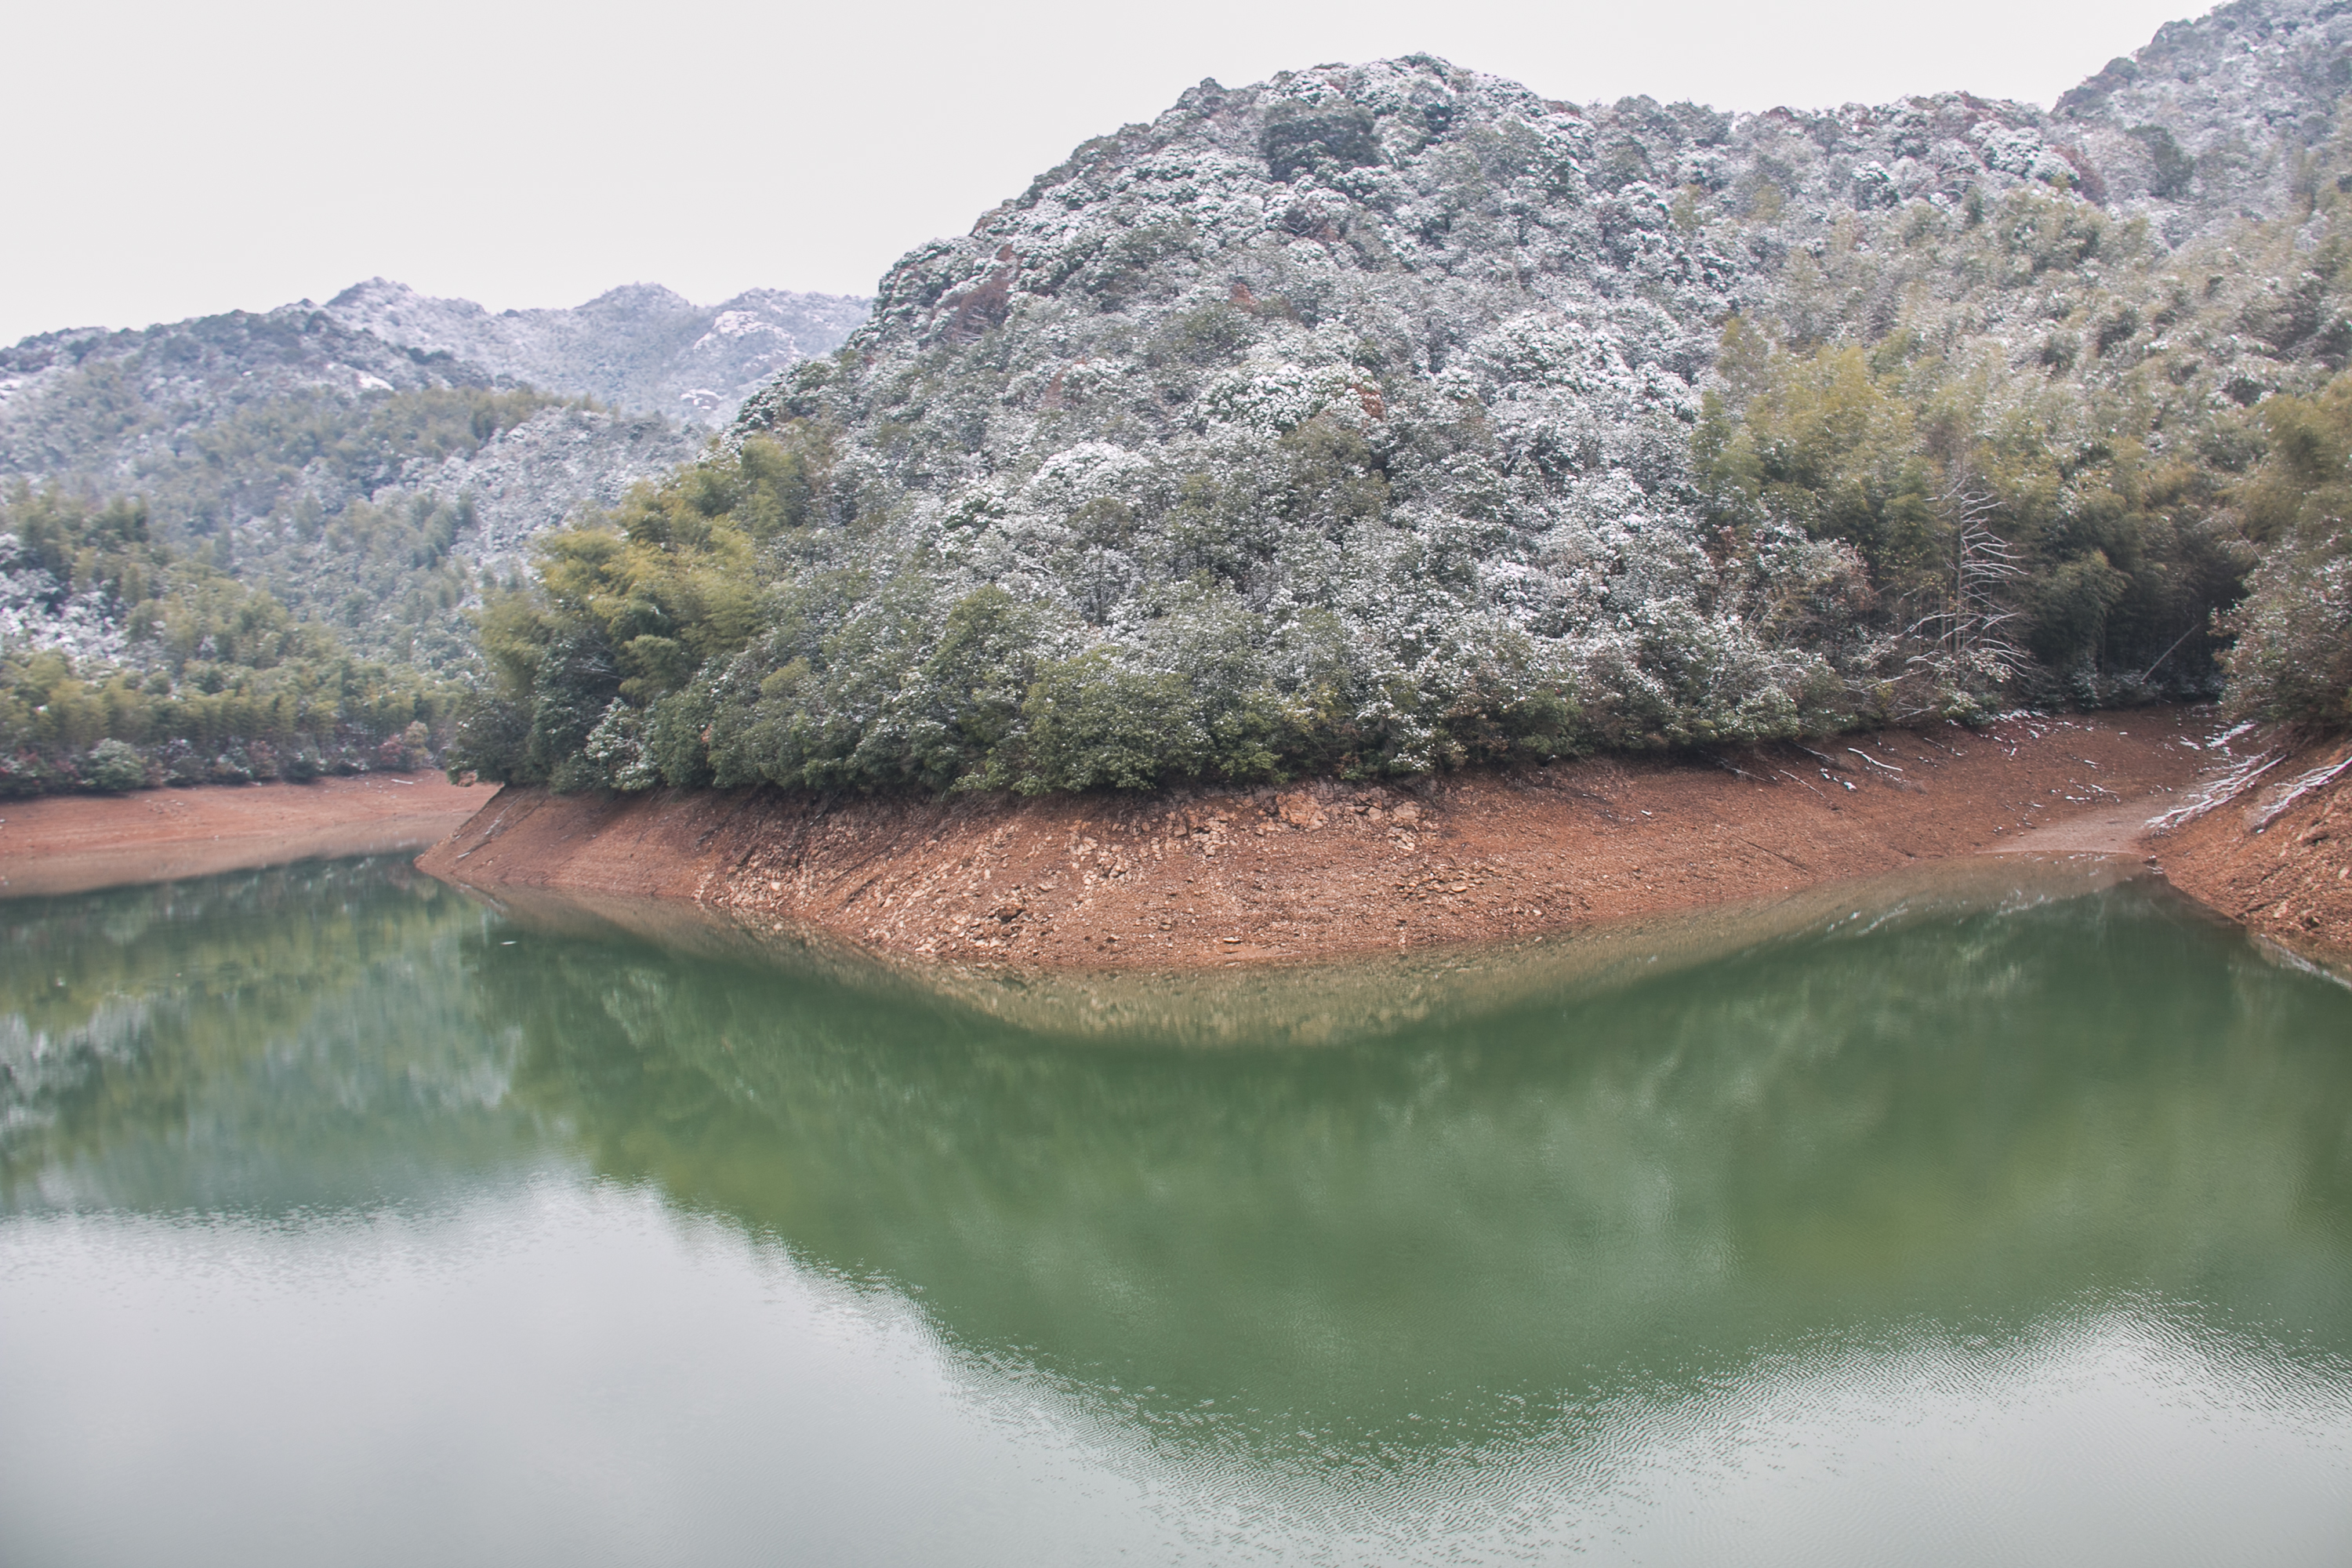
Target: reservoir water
345,1220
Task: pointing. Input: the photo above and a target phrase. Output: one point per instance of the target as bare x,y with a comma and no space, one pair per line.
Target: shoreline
1219,879
2276,858
1214,878
1230,877
58,844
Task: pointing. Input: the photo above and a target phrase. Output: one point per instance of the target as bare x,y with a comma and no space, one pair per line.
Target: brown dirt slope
1189,878
2278,856
72,843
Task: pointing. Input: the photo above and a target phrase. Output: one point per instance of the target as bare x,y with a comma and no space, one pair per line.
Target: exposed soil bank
1197,877
2282,866
73,842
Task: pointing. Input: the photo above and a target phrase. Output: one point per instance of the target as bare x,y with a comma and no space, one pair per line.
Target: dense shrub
114,767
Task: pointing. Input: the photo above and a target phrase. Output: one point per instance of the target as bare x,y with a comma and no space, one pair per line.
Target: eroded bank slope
1207,877
74,843
2276,853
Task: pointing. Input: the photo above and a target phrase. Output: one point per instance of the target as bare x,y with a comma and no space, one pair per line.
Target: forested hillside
1382,418
335,479
180,674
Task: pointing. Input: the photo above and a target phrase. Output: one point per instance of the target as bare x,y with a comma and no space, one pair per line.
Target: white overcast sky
161,161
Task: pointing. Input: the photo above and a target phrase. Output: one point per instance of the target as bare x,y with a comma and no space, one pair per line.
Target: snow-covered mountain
640,348
1386,415
250,435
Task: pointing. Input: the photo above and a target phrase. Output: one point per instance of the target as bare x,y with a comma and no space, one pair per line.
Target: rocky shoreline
1191,879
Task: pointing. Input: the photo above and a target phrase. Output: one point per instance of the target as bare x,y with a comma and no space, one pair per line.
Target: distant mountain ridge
640,347
303,450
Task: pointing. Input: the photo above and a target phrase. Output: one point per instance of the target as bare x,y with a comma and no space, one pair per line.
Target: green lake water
343,1220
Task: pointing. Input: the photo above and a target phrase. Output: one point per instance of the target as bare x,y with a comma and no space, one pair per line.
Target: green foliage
213,679
301,492
2293,659
725,627
2174,170
1305,140
1095,724
2119,556
2156,437
114,767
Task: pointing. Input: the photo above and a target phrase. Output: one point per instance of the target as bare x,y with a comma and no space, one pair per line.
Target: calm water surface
343,1221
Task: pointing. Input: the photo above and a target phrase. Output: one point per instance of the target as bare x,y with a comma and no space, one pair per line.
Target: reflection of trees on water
298,1038
1972,1123
1977,1121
